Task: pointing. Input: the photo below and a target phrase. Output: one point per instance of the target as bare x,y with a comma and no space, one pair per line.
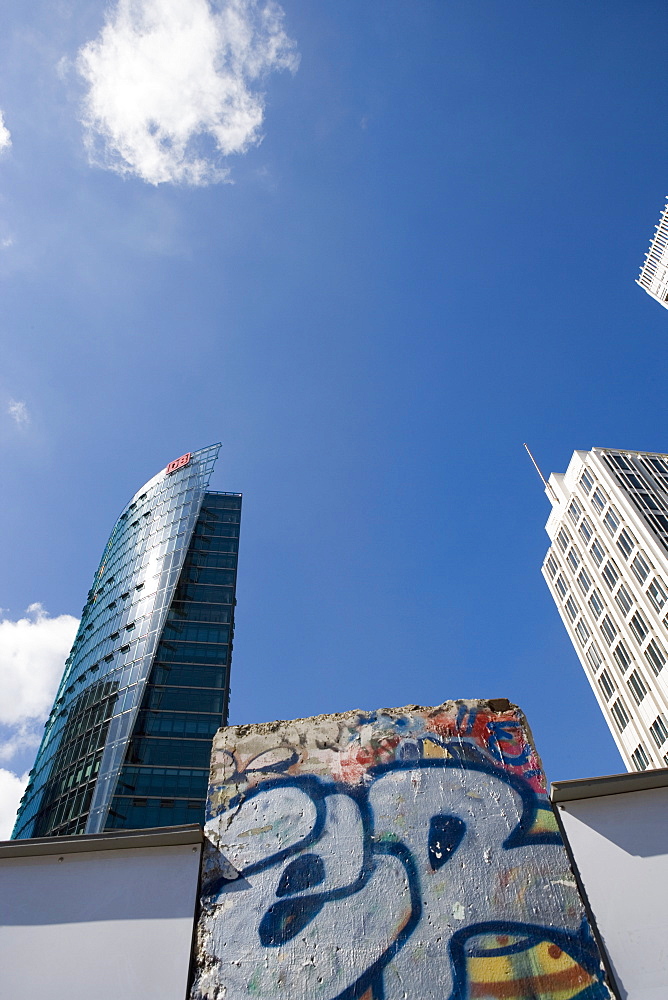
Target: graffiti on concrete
403,854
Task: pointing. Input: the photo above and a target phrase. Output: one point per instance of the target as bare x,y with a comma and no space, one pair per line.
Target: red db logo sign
178,463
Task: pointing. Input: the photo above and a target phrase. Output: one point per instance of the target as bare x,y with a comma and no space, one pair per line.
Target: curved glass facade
146,684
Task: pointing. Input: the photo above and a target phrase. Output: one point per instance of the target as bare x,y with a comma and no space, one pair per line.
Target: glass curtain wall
118,698
165,776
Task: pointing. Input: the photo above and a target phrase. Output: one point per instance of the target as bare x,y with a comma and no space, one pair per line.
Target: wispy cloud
18,411
32,656
173,85
5,135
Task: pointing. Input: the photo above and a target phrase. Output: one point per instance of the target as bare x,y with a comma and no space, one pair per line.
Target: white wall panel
98,925
620,846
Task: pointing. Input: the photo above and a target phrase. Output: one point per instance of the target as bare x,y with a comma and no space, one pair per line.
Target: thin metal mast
544,480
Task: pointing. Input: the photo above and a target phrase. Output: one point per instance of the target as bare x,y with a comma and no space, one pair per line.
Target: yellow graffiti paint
545,821
540,972
432,749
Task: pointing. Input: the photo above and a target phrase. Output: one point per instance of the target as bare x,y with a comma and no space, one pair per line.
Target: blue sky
372,247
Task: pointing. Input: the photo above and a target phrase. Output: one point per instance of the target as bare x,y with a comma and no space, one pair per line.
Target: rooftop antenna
547,486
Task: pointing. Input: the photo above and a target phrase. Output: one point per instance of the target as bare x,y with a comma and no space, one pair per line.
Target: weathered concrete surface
403,853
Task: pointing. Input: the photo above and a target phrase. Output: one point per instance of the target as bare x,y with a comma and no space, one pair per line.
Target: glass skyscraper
146,684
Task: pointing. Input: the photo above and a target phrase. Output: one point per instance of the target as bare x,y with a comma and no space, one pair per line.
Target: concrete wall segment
402,853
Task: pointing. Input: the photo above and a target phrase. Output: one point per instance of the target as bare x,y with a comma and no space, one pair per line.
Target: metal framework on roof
654,273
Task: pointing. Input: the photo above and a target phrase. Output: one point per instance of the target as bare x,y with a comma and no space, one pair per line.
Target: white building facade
607,570
654,272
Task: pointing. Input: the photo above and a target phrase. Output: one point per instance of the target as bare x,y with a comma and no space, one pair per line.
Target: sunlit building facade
607,570
146,684
654,272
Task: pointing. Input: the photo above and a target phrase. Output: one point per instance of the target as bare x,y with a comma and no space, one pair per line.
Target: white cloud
11,789
22,739
173,85
32,656
18,411
5,135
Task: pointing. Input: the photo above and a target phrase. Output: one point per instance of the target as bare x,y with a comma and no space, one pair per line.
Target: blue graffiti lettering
303,845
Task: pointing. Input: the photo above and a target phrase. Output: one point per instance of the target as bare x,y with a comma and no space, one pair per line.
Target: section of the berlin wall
403,854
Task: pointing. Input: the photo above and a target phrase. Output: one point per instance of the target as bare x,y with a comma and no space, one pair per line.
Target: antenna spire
543,479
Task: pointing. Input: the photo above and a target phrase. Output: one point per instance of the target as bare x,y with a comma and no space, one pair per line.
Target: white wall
98,925
620,846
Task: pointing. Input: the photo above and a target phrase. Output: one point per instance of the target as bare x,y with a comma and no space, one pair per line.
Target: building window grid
646,487
610,574
586,481
594,657
619,714
639,627
105,644
586,530
641,633
596,604
655,656
619,711
607,685
659,730
642,573
626,543
636,686
569,570
657,594
598,500
623,660
655,464
597,552
580,628
608,629
640,759
624,600
582,631
611,521
551,565
553,587
651,636
563,538
659,524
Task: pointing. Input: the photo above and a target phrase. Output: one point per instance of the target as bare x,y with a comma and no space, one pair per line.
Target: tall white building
654,272
607,570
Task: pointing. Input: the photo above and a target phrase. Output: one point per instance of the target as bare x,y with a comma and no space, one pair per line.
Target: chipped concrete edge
497,705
